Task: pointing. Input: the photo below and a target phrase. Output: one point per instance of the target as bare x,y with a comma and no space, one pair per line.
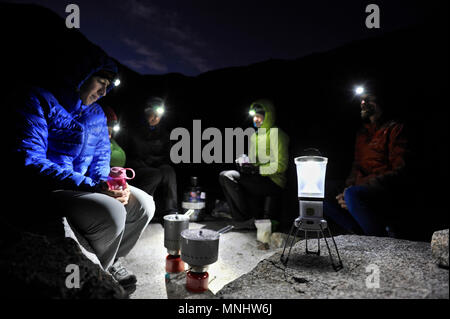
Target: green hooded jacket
273,158
118,157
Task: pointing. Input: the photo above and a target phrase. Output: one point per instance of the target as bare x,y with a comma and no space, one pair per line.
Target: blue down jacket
62,143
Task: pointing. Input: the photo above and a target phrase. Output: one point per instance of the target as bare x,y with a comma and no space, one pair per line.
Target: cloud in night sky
170,36
148,59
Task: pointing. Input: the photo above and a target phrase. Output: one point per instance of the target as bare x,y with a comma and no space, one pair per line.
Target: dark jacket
61,143
147,147
380,152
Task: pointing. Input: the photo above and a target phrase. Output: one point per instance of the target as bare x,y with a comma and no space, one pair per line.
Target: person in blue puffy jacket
62,152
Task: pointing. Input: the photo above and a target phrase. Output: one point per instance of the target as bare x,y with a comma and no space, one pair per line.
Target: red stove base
197,282
174,264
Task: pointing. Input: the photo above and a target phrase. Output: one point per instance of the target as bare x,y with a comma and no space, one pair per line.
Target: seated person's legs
168,188
99,218
364,205
140,210
259,188
342,217
234,194
147,179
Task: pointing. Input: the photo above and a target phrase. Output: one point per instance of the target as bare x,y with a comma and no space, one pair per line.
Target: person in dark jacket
62,153
368,202
148,153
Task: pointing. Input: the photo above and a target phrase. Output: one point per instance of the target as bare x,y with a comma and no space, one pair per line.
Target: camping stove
311,184
174,224
199,249
197,279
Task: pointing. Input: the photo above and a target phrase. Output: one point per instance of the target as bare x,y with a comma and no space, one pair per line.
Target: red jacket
379,154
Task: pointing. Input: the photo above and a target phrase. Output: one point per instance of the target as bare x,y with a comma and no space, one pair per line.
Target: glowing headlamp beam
116,128
160,110
116,82
252,112
359,90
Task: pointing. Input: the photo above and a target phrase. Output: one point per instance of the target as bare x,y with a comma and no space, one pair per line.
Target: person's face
110,131
368,109
93,89
154,119
258,120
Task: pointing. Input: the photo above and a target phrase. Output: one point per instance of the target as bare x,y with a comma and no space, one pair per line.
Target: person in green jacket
264,176
118,157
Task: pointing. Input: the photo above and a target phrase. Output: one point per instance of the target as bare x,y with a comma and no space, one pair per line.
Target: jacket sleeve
31,142
279,157
99,168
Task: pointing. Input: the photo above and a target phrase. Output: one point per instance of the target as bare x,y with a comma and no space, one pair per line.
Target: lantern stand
298,224
311,184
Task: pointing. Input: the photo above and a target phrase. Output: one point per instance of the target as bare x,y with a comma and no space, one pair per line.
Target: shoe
221,210
244,225
124,277
221,215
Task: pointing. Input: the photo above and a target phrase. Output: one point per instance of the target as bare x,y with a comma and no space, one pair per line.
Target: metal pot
174,224
200,247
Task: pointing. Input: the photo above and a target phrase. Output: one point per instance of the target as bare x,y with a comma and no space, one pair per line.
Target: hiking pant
161,180
367,212
246,193
110,228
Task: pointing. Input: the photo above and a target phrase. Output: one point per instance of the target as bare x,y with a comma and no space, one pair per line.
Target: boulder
374,267
439,247
35,266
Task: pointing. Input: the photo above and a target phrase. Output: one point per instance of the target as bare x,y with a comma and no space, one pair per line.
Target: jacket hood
79,71
269,109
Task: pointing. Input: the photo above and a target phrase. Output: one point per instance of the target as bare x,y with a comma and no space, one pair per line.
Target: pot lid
176,218
200,234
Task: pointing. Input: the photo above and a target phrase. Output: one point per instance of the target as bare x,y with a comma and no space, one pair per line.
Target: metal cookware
174,224
200,247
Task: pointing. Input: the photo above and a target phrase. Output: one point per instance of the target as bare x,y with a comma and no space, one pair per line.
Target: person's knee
228,175
167,170
148,208
353,194
112,216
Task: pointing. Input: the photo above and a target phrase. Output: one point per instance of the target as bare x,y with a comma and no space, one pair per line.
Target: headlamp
359,90
252,112
116,82
160,110
116,128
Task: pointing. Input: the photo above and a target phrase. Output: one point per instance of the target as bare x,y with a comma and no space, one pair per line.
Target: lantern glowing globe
311,176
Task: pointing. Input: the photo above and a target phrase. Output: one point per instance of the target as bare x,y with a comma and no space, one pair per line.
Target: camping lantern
311,170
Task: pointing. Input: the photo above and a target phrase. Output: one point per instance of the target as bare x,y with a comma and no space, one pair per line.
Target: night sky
192,37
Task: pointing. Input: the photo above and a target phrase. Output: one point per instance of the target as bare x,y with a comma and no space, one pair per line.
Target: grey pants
110,228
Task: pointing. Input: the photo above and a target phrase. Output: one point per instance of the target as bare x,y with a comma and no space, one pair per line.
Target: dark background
312,94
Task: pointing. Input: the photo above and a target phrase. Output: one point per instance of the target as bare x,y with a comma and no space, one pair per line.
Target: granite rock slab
374,268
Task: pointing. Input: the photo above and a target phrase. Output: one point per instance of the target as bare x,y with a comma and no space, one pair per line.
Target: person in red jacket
369,199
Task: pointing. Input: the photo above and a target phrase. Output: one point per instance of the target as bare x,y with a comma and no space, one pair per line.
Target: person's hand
125,196
341,200
122,195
